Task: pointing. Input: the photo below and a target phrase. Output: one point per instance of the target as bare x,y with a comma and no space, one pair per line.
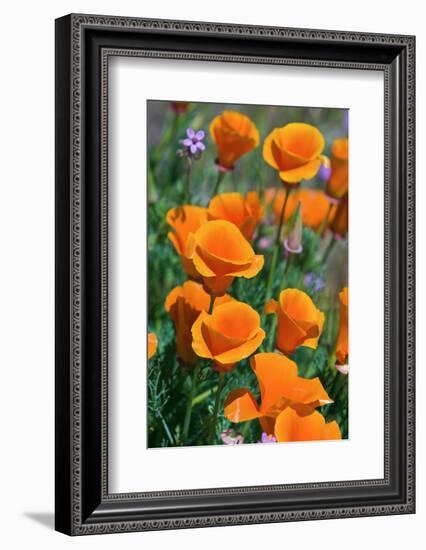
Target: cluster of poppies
220,243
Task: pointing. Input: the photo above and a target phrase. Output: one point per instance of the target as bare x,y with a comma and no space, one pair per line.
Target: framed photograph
234,274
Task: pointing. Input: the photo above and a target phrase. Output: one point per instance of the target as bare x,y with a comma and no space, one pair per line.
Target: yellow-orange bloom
314,206
152,344
185,220
340,220
300,322
342,347
294,424
295,151
184,304
220,252
231,333
337,185
244,212
235,135
280,389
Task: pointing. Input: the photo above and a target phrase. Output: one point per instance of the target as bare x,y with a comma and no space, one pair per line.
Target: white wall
26,289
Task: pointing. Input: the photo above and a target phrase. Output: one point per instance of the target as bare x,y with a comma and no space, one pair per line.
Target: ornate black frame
83,46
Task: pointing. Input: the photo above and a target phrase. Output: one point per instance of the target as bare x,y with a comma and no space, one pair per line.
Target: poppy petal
267,151
271,307
199,344
152,344
342,348
275,373
244,350
235,320
240,406
332,431
308,391
290,426
313,342
253,269
305,172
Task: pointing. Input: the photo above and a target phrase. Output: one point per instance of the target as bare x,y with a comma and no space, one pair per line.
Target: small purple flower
314,282
231,437
264,243
194,141
324,172
344,369
267,438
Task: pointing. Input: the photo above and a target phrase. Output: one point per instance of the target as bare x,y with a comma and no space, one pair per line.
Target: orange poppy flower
340,220
337,185
299,321
280,388
185,220
314,206
295,151
152,344
342,347
244,212
231,333
235,135
296,424
184,304
219,253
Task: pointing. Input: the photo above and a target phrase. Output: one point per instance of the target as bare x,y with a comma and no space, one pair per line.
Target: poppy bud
293,242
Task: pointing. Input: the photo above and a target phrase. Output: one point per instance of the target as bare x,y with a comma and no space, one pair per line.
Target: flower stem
212,301
188,166
272,331
204,395
218,182
337,385
325,220
276,249
329,249
282,216
166,428
189,403
245,430
212,433
286,266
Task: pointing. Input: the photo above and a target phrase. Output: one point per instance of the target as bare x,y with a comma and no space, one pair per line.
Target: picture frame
83,503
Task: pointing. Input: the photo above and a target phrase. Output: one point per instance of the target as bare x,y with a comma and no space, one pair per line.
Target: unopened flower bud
293,242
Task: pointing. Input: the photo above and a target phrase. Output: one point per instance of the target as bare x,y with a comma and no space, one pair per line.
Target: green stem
276,249
212,433
328,250
325,220
166,428
272,331
152,191
172,140
338,382
189,403
219,179
268,293
245,430
212,301
188,166
202,396
286,266
282,217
